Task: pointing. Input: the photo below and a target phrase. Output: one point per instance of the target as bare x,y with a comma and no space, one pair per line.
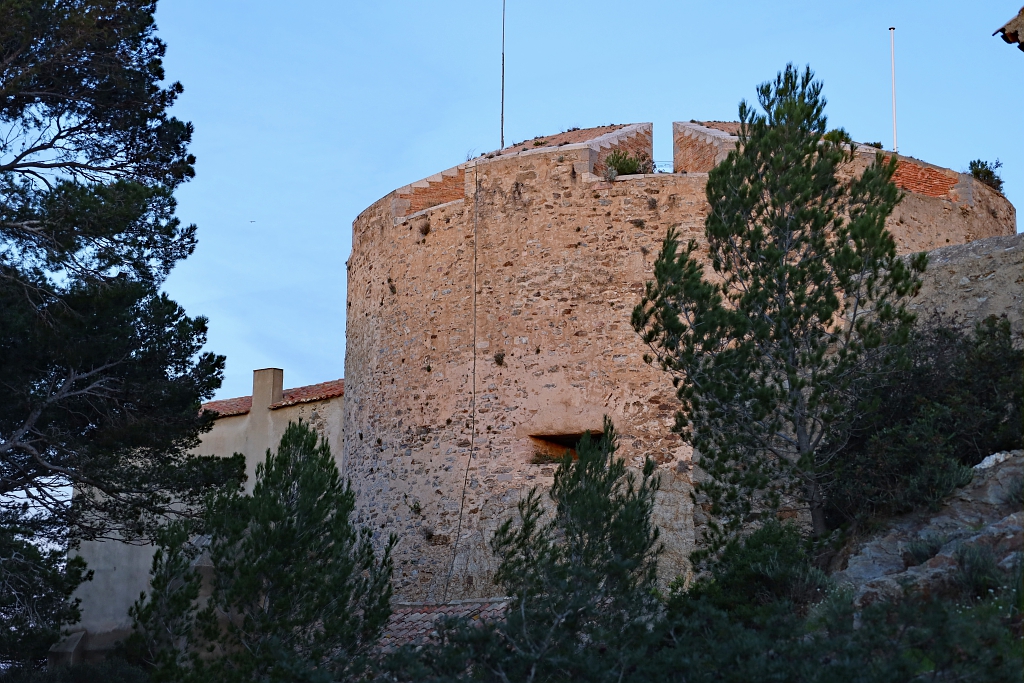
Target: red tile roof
230,406
413,623
314,392
290,397
1013,30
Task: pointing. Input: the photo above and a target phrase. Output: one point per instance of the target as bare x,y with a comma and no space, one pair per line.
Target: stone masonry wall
560,257
966,283
697,148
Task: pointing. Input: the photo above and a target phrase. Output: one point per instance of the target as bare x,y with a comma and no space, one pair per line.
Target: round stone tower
488,329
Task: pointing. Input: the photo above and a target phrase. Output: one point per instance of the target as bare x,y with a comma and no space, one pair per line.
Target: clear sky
308,111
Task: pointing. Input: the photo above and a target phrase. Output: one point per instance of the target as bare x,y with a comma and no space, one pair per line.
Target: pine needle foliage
296,592
37,585
766,350
581,576
583,583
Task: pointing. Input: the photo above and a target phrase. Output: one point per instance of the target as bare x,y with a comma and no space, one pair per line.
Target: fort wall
492,329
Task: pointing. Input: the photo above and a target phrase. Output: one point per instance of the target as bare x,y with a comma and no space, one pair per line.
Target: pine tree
36,588
103,375
766,352
581,577
296,593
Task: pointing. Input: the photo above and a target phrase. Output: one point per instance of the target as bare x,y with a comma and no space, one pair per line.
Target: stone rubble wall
561,257
965,283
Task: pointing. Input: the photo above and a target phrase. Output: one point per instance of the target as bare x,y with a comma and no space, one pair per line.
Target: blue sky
306,112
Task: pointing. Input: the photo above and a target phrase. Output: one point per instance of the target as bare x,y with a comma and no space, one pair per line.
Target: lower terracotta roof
313,392
230,406
1013,30
414,623
290,397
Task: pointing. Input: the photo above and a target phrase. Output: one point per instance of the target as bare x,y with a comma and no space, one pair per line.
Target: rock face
987,513
967,282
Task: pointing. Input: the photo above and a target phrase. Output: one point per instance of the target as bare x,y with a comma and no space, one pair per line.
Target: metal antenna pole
892,52
502,75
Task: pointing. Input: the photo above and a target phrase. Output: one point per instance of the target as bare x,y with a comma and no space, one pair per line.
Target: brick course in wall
924,180
447,189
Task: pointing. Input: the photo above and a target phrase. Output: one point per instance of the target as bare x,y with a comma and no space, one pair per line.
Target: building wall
121,571
558,257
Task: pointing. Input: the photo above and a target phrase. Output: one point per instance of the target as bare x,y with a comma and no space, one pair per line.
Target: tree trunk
817,511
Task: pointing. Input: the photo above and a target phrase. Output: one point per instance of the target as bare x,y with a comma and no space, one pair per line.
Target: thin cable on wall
472,433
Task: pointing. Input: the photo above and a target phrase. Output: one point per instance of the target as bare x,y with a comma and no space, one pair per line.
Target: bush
977,573
924,549
297,592
109,671
952,400
756,575
821,637
986,173
624,163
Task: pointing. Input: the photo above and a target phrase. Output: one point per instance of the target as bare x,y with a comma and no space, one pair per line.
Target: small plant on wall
499,358
624,163
986,173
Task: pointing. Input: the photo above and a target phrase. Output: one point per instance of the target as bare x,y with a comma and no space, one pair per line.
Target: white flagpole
892,52
502,75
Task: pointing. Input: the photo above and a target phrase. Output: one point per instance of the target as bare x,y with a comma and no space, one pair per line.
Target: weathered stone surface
967,282
982,513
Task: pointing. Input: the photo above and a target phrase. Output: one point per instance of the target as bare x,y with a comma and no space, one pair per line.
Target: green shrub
756,575
986,173
924,549
949,400
109,671
913,638
977,573
624,163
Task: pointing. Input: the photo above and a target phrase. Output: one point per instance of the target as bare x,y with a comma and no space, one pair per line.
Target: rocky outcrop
986,513
965,283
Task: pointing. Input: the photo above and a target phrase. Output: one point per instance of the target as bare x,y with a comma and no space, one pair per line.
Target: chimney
267,387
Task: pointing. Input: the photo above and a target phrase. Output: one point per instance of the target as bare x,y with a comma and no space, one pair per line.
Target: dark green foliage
950,400
624,163
164,624
986,173
767,355
103,375
924,549
297,593
36,586
581,579
756,576
977,572
752,629
108,671
103,391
